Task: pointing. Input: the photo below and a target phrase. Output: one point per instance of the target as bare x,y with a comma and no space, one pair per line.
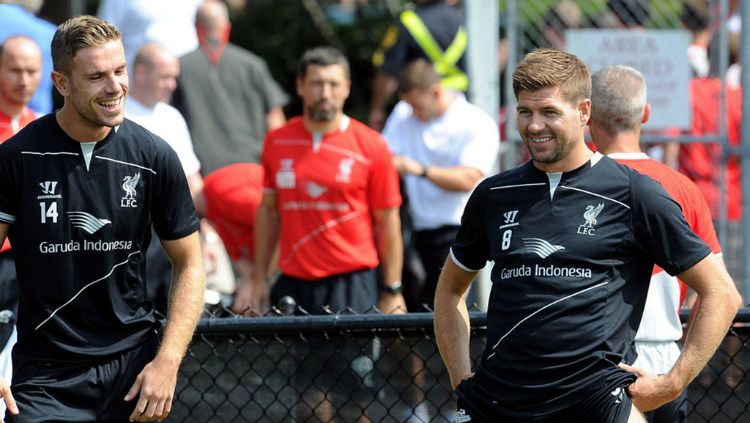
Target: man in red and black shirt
331,200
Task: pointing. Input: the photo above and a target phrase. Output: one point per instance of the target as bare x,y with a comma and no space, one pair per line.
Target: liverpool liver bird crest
129,184
591,214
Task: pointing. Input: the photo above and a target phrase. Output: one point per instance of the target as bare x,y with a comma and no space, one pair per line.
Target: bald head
212,17
155,72
20,72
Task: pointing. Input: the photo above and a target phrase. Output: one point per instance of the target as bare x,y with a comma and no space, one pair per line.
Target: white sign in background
660,55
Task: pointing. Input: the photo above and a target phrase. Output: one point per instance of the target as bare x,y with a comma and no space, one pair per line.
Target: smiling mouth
540,139
110,104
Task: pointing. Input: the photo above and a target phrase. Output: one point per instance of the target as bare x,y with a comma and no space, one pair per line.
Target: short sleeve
172,212
660,229
269,182
183,145
273,94
393,129
699,218
483,145
471,249
384,191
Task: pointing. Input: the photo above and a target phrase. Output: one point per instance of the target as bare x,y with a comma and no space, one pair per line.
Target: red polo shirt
326,191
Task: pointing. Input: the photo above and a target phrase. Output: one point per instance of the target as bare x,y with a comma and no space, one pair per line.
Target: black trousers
432,248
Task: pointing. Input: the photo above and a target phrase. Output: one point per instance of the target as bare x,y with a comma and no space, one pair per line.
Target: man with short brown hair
79,191
574,237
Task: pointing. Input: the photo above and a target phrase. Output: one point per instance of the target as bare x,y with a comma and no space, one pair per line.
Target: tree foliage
281,30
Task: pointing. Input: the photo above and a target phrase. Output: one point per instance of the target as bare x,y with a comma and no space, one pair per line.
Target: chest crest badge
589,216
345,170
128,185
285,177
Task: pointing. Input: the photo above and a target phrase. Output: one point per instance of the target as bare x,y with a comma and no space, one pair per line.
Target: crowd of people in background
214,102
327,214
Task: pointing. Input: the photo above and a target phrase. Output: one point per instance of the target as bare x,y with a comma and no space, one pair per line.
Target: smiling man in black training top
79,191
574,237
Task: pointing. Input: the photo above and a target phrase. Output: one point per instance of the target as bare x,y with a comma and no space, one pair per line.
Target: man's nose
536,122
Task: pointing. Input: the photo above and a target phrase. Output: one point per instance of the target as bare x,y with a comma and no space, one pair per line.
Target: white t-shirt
170,23
166,122
463,136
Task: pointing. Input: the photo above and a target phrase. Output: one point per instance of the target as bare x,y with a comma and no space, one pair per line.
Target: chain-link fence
374,368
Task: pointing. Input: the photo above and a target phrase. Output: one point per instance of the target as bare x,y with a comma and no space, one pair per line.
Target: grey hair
618,98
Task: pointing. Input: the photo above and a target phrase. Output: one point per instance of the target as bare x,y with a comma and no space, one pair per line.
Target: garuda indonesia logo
87,222
541,247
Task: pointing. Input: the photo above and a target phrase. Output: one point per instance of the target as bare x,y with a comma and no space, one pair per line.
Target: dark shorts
9,291
672,412
606,403
9,294
55,391
354,291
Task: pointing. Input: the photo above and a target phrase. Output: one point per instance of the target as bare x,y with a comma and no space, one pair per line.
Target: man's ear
299,84
584,109
435,90
646,113
61,82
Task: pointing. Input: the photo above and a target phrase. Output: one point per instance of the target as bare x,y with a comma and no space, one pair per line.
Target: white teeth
540,139
109,103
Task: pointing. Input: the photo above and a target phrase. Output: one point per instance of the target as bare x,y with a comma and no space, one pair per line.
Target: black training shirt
79,235
570,277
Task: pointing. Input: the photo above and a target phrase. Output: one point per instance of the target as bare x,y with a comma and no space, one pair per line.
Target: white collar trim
628,156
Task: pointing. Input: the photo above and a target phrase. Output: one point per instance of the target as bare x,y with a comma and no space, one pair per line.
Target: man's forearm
266,235
390,244
452,335
452,320
707,330
458,179
185,301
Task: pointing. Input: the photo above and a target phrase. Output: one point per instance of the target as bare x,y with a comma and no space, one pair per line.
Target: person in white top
442,146
170,23
154,79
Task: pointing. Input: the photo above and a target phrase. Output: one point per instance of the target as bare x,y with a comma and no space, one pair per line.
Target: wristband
394,288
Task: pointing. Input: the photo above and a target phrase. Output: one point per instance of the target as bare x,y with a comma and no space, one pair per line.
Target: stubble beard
318,115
